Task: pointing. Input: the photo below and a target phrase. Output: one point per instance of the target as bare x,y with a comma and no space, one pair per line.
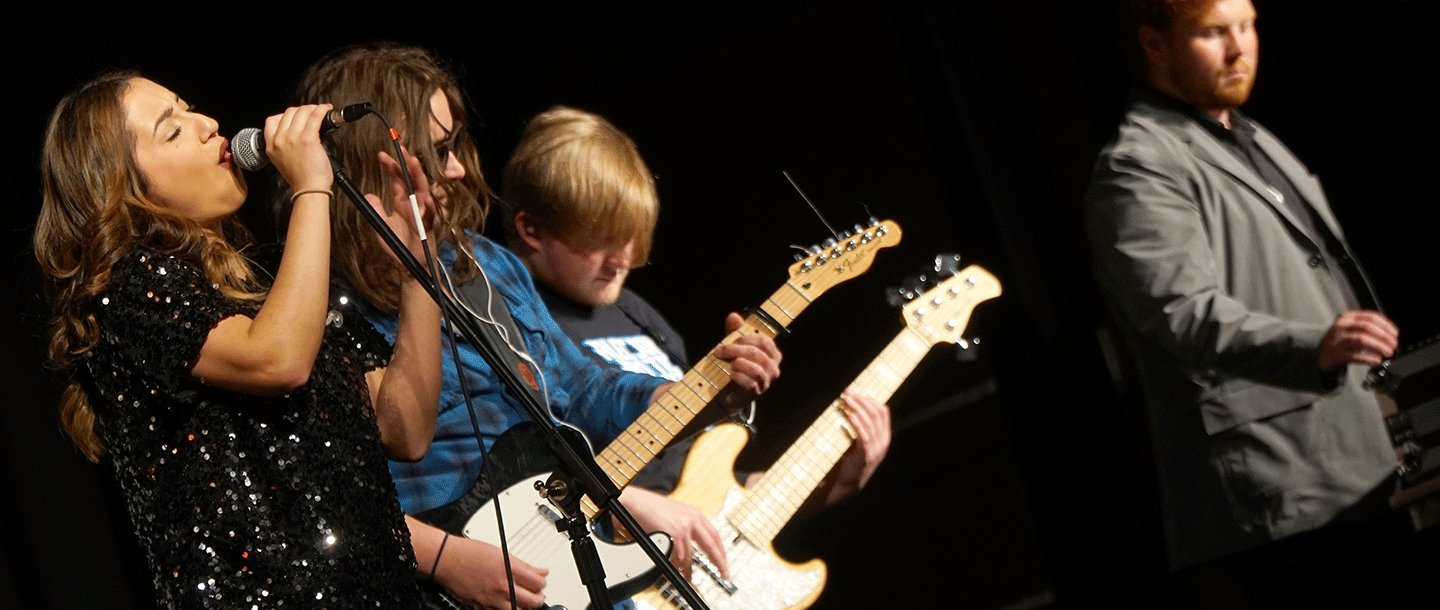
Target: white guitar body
530,521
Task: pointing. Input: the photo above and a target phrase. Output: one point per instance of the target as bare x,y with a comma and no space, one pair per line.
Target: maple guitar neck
683,400
772,500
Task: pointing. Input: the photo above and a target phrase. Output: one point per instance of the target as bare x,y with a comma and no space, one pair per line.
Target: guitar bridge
703,562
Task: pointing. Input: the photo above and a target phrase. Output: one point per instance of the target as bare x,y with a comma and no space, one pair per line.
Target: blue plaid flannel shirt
599,400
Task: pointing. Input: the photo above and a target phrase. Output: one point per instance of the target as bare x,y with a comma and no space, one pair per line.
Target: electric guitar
518,460
749,519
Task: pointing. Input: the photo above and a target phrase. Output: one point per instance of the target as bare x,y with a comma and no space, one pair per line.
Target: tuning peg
967,350
915,286
947,264
857,229
909,290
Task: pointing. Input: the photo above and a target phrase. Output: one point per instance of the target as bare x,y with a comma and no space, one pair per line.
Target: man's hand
754,358
871,421
685,524
1360,336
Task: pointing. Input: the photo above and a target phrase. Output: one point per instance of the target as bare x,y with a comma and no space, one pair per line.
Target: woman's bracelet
435,565
297,194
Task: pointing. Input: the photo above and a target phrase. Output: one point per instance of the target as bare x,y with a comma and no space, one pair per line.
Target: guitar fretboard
771,502
939,316
658,425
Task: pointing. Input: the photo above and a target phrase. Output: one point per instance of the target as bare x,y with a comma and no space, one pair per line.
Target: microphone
248,145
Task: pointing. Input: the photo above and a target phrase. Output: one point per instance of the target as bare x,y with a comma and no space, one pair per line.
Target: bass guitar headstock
938,302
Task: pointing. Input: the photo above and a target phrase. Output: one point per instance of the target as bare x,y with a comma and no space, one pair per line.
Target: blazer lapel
1305,183
1210,151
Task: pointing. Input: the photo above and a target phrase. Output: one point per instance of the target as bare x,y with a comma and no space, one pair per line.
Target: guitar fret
639,447
677,411
797,293
714,381
782,309
697,384
623,469
669,433
881,376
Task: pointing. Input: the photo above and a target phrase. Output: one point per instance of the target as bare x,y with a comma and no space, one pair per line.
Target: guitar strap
499,326
650,329
479,297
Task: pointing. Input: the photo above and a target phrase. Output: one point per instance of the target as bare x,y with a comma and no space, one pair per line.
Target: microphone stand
584,473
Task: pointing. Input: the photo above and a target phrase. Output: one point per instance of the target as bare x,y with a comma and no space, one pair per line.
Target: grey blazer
1224,301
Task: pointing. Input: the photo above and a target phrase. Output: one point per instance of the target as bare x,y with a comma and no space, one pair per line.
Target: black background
1018,480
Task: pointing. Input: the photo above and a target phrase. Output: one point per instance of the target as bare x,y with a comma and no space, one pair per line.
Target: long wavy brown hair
399,81
94,212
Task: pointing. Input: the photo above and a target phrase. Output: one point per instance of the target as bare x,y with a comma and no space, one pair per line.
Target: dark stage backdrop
1020,479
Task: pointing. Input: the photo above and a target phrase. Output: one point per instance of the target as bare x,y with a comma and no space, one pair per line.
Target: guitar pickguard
530,523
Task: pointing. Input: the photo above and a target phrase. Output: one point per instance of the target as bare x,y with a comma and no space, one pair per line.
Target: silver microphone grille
248,149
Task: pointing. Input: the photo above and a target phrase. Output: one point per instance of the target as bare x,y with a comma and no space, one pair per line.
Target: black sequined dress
243,501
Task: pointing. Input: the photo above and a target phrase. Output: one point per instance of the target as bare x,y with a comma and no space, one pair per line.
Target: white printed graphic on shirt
637,354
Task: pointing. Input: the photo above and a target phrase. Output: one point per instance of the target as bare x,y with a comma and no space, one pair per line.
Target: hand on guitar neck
871,423
754,362
754,357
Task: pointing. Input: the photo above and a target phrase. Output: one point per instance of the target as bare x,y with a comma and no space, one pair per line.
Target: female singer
248,421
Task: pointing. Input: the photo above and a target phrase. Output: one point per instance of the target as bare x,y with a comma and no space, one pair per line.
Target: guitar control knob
555,490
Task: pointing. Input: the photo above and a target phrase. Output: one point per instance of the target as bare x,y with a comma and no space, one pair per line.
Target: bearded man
1250,319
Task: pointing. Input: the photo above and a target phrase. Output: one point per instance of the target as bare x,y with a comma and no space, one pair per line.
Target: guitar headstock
834,261
939,301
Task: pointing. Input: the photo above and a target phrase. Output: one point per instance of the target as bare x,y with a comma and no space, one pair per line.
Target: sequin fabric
242,501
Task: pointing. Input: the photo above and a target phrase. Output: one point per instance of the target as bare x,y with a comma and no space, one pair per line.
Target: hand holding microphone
248,146
293,145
